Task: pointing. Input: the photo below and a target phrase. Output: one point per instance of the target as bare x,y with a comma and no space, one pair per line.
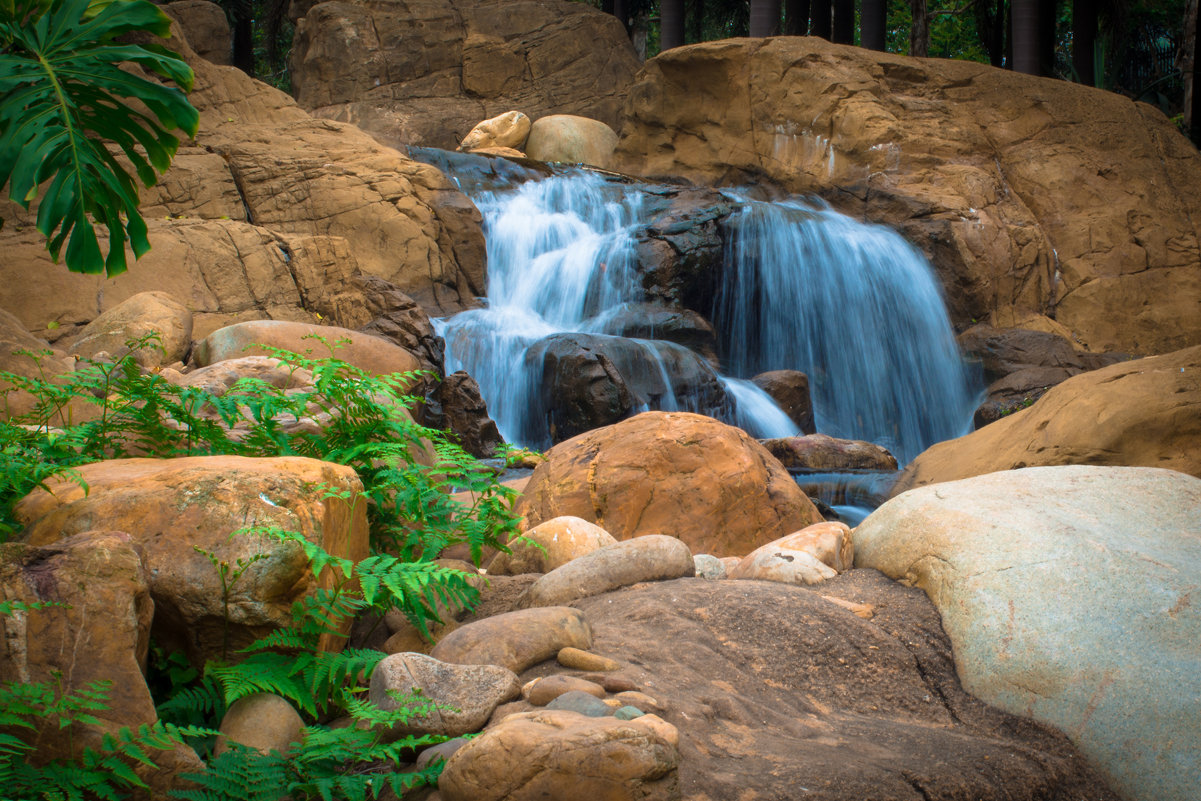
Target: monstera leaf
63,95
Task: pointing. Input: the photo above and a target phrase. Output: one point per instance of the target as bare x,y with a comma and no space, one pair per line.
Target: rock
409,639
651,557
1028,196
1031,569
263,721
628,713
865,611
830,543
550,545
649,321
170,507
546,690
786,565
642,702
465,414
1141,412
823,453
708,567
516,640
217,378
205,27
581,703
674,473
378,307
559,754
1017,391
142,315
777,682
505,152
464,695
790,390
426,74
100,632
681,254
508,130
572,140
586,660
441,751
50,363
369,353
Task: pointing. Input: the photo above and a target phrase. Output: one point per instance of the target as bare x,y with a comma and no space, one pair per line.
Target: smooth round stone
581,702
551,687
628,713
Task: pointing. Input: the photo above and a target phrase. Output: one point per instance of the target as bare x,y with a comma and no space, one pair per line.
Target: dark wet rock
790,390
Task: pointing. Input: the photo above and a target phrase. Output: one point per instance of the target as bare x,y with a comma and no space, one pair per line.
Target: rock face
1143,412
1028,195
426,73
267,215
1067,593
168,506
673,473
206,28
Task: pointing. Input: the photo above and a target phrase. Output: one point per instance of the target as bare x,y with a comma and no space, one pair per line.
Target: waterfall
853,306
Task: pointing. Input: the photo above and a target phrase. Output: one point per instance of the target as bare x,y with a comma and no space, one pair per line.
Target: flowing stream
802,287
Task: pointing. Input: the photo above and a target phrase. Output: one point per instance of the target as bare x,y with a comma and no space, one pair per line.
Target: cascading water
803,288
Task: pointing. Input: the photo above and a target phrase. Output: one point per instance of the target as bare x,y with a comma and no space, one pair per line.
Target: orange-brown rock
516,640
560,754
571,139
1029,195
1145,412
650,557
262,721
23,354
99,632
369,353
503,132
673,473
143,315
823,452
426,73
206,28
550,545
170,507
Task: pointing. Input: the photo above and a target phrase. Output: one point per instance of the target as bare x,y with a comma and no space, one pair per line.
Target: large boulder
673,473
1028,195
426,73
572,140
369,353
1067,594
1142,412
147,314
172,507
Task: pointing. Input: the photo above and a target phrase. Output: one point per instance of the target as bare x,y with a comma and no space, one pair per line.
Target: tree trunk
1192,98
796,17
990,27
765,18
821,19
844,21
873,23
1048,16
1084,41
671,24
1024,34
696,21
919,30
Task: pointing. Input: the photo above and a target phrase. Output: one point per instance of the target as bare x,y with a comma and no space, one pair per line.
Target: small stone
551,687
528,687
613,703
440,751
585,704
617,684
586,660
865,611
628,713
641,700
709,567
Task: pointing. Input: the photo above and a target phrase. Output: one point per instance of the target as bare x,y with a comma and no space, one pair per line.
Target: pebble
581,702
551,687
585,660
641,700
628,713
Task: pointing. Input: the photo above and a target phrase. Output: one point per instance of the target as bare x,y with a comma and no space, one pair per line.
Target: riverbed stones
516,640
578,659
582,703
561,754
463,696
673,473
652,557
172,507
550,545
821,452
1068,594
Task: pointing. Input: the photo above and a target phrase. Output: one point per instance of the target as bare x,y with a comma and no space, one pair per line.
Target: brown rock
672,473
172,506
641,701
821,452
504,131
546,690
830,543
217,378
651,557
550,545
790,390
465,414
370,353
1028,195
45,362
263,721
572,140
205,27
786,565
1142,412
462,696
101,632
505,152
516,640
560,755
142,315
426,74
586,660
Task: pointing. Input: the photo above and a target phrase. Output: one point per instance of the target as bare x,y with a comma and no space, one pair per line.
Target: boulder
652,557
464,413
1029,196
829,543
790,390
571,140
219,377
783,564
546,690
1141,412
425,74
369,353
462,696
172,507
143,315
562,754
550,545
820,452
680,255
39,360
674,473
515,640
262,721
1067,595
378,307
649,321
100,631
508,130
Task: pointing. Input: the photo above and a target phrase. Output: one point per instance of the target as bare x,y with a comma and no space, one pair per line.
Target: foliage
62,95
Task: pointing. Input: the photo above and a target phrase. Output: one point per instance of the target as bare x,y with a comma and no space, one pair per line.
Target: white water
805,288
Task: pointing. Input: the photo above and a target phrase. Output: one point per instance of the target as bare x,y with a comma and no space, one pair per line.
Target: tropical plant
63,95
